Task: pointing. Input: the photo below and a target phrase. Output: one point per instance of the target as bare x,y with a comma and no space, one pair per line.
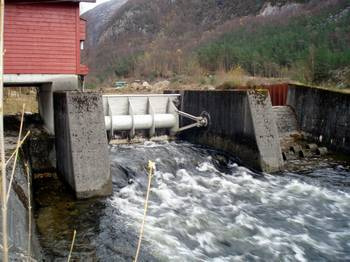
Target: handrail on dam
146,112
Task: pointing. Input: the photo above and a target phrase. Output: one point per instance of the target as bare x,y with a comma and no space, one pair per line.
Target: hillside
165,38
98,19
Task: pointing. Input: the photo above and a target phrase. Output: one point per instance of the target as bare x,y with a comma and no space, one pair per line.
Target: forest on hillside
308,42
306,48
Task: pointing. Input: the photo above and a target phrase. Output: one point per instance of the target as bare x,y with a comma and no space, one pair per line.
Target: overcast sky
87,6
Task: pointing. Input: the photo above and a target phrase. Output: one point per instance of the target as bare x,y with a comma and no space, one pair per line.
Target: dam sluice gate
147,112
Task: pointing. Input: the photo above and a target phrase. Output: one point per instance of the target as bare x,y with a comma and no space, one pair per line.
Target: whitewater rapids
205,207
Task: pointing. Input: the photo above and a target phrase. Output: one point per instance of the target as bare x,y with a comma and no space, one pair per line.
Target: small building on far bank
42,41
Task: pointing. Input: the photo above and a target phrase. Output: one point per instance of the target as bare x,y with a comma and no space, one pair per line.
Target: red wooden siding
278,94
82,28
43,38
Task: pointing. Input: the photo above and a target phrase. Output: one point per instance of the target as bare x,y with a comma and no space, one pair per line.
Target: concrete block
242,123
265,129
81,143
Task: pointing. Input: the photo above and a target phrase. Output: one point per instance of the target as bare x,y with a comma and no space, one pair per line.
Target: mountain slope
310,47
98,19
161,38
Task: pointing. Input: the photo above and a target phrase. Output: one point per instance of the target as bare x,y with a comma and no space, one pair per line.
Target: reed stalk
17,148
16,155
29,247
151,169
2,139
72,245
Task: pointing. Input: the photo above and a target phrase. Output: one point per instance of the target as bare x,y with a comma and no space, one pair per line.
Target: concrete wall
18,217
323,114
242,123
81,143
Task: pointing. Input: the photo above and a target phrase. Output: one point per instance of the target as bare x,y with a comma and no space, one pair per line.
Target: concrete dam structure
243,123
262,129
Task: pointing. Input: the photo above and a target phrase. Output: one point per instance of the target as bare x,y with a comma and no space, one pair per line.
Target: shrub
231,84
124,67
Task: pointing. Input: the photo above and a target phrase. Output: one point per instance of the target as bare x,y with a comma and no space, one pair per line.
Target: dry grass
15,97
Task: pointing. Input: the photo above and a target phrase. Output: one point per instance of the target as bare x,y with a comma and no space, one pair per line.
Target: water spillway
205,206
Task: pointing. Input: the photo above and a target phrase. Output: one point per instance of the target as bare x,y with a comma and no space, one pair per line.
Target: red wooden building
43,37
42,42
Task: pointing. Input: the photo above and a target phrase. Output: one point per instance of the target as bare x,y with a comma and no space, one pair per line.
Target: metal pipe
142,95
126,122
135,112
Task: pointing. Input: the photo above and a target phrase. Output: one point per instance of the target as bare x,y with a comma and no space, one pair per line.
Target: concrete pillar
81,143
45,101
45,98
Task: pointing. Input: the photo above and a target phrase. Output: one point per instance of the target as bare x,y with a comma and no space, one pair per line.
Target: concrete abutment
81,143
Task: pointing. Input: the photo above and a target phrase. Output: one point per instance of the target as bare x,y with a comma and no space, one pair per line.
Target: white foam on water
197,213
299,253
206,166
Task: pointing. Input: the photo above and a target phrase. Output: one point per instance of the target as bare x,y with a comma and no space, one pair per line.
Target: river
204,206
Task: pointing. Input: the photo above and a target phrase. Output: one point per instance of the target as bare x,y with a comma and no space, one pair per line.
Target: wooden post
2,143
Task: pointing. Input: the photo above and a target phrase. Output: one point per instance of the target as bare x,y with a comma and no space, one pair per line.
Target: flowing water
205,207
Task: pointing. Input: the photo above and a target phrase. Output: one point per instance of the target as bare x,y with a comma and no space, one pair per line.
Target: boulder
136,86
146,85
162,85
